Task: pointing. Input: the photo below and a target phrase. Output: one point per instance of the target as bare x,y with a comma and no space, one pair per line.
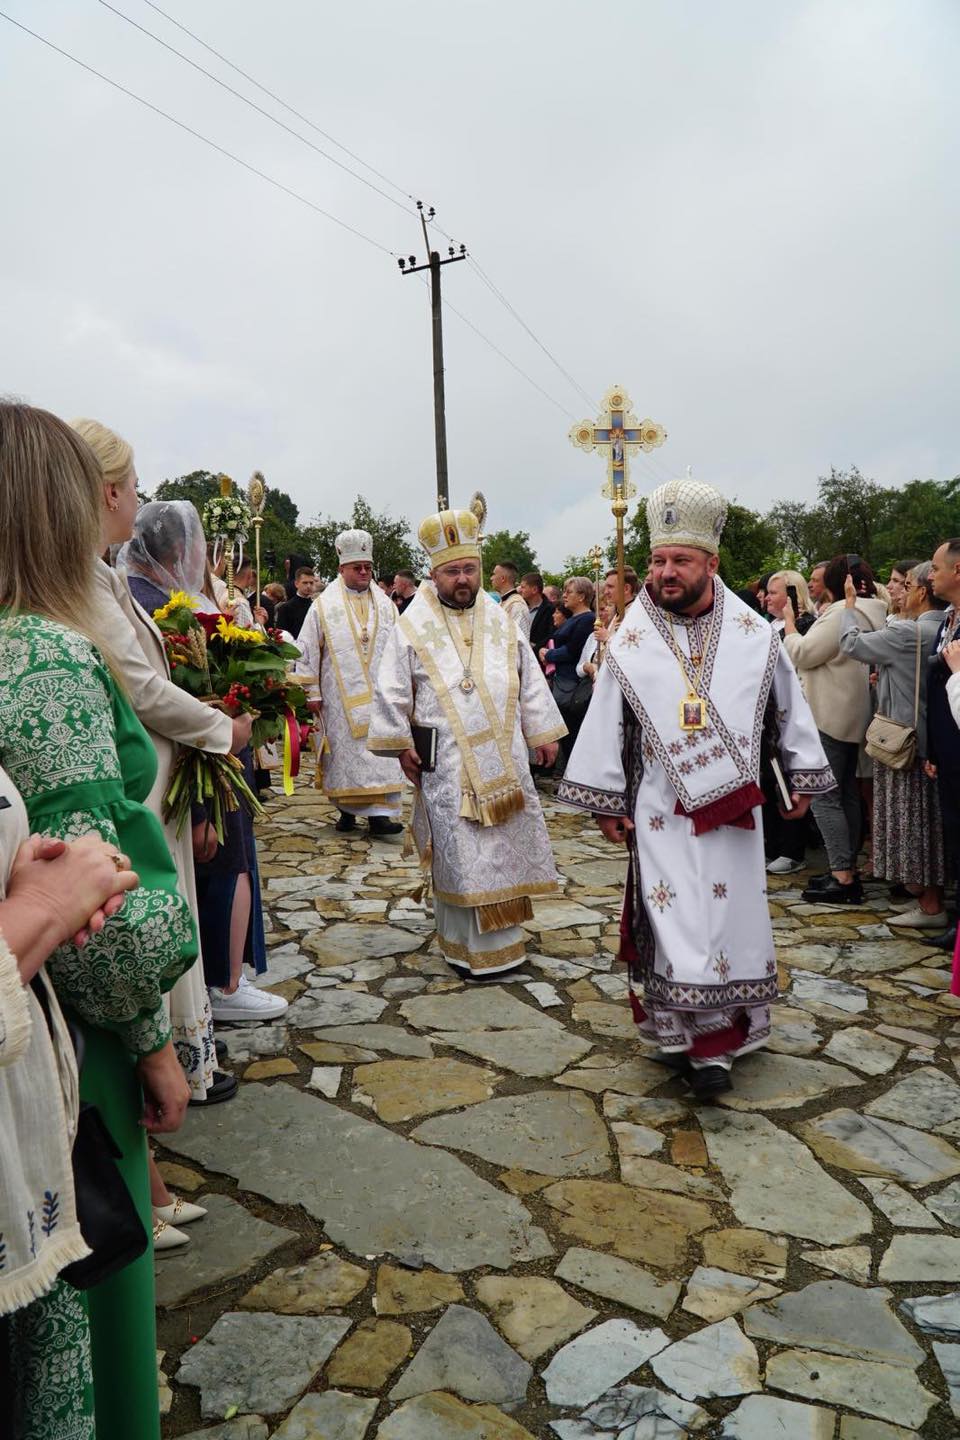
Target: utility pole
434,264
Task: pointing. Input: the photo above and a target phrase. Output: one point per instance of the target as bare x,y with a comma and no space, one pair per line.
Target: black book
425,744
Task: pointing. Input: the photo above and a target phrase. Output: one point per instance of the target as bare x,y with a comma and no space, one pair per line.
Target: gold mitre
450,535
686,512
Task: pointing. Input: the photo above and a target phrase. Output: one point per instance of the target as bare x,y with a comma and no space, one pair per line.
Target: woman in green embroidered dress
83,763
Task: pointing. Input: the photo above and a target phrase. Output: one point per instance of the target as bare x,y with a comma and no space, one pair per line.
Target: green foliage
509,545
279,535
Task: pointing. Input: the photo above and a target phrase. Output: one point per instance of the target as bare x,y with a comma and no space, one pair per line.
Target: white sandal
179,1212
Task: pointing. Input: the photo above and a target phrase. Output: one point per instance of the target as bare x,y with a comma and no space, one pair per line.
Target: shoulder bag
889,742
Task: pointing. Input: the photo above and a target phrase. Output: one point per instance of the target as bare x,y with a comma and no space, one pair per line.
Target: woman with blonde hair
84,764
779,586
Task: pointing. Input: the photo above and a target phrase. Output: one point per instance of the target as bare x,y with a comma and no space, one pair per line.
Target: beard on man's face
675,596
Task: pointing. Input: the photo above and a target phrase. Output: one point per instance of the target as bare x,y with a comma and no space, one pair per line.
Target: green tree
393,545
508,545
746,545
280,533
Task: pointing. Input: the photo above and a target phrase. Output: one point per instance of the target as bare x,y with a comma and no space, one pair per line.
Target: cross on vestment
495,629
435,635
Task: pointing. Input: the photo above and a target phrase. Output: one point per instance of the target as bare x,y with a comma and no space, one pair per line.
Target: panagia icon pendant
693,712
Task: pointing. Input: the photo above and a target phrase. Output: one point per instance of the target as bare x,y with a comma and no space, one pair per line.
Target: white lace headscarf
167,548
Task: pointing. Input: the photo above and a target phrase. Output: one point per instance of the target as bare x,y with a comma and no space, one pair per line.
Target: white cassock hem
462,944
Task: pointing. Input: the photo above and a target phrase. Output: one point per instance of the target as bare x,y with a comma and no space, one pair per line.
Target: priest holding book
695,692
459,688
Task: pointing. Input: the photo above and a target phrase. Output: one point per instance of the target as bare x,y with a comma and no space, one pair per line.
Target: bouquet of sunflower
236,670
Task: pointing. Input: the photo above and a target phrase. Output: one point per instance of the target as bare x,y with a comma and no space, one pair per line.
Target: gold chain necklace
693,707
467,684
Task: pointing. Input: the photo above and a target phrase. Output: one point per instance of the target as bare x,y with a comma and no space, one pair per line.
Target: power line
252,104
282,103
182,125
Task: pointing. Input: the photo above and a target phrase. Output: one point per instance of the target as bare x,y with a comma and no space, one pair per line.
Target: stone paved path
443,1211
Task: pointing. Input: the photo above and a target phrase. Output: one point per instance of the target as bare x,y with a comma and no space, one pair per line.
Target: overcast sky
745,212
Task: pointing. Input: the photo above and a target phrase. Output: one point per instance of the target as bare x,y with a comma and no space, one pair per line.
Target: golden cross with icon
617,434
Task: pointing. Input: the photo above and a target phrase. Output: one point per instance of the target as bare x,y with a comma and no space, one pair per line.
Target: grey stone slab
900,1208
946,1204
761,1417
389,1038
260,1363
228,1242
863,1049
246,1427
887,1391
346,942
593,1362
632,1405
309,887
925,1099
441,1416
929,1258
334,1007
948,1358
618,1280
546,1131
580,1430
598,872
329,1415
284,965
562,915
536,1054
775,1183
254,1040
808,987
934,1314
717,1360
868,1145
838,1318
464,1355
782,1082
491,1008
300,1150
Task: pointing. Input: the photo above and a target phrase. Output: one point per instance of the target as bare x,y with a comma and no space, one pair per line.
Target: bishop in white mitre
342,643
457,670
696,692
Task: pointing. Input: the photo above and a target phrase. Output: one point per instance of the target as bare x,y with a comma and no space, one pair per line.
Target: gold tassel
492,809
504,913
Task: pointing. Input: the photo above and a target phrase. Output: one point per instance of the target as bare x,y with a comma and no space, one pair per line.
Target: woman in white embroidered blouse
49,892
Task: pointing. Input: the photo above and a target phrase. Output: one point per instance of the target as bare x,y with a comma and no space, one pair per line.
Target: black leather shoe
224,1087
383,825
346,823
220,1047
817,882
946,940
709,1081
834,893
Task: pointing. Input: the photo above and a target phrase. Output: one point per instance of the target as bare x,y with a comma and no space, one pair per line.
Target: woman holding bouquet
167,555
83,763
172,718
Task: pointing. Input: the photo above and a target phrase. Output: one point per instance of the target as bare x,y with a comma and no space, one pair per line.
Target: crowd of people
708,731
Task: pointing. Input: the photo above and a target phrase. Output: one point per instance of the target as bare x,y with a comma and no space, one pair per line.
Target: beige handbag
891,743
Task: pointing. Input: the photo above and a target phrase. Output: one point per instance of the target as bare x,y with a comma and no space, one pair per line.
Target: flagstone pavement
439,1210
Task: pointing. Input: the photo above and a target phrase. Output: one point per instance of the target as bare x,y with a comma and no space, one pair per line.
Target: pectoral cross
617,433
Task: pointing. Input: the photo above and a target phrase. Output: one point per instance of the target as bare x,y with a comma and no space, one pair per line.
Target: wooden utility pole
434,264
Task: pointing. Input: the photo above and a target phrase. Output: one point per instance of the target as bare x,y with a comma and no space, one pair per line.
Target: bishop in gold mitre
342,642
457,673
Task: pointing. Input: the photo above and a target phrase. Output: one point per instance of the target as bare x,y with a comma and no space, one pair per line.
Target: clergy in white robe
458,666
694,692
342,642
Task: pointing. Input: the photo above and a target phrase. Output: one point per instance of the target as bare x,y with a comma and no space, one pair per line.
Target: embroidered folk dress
477,820
83,763
696,928
342,642
44,1331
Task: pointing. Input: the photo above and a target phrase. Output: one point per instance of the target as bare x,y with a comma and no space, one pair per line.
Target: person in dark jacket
292,613
943,735
568,642
541,610
291,564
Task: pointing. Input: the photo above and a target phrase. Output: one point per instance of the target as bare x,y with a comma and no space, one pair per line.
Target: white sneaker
246,1003
783,865
917,919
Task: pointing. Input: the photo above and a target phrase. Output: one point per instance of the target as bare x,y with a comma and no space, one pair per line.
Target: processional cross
617,434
